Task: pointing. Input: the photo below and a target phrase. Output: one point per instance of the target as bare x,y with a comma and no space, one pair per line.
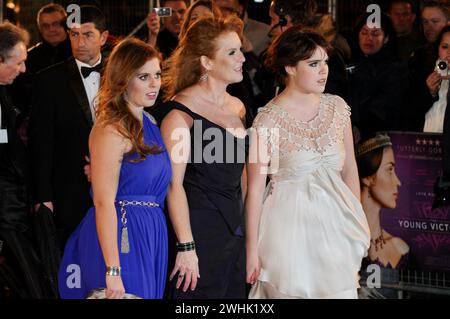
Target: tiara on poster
379,141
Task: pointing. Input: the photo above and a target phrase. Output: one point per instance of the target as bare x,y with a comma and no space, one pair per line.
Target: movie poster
427,232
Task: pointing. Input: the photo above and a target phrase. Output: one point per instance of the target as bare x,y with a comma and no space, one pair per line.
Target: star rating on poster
426,142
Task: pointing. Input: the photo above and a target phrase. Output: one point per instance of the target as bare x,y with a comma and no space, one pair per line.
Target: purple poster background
418,163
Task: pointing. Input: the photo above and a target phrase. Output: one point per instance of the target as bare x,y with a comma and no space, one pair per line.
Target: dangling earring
204,77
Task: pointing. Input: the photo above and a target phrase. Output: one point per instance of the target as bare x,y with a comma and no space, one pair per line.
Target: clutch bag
99,293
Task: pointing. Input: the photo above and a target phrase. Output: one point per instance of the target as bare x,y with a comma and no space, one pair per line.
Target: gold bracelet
113,271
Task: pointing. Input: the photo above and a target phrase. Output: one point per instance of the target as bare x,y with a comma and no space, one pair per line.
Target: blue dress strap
150,117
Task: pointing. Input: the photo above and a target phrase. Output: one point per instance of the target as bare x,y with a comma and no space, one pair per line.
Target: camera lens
442,65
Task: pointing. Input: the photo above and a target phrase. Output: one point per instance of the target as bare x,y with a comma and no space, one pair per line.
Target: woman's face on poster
385,183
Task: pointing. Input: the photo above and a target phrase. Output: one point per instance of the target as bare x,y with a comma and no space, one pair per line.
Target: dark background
124,15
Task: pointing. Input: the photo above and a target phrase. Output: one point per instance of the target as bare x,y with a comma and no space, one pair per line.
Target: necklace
378,241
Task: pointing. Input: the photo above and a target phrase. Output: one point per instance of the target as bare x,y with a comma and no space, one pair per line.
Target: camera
163,12
442,67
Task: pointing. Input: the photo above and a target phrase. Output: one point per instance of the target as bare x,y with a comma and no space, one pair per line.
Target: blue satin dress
144,267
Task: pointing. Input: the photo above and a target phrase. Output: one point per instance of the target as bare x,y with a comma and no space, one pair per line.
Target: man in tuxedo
62,117
19,266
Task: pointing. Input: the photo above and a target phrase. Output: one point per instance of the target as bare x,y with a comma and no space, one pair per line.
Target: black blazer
446,139
14,174
61,121
15,150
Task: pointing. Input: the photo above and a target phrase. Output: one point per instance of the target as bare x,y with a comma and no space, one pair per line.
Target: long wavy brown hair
123,64
184,68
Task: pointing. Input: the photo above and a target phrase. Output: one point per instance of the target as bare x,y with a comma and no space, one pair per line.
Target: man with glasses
55,45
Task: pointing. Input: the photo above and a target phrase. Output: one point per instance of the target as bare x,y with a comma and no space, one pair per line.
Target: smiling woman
205,196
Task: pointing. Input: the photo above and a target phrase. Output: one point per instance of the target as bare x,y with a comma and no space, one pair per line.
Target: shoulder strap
151,118
174,105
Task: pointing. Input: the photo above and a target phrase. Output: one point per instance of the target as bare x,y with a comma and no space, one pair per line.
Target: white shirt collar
80,64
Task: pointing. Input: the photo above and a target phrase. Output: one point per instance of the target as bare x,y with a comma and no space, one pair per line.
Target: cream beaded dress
313,232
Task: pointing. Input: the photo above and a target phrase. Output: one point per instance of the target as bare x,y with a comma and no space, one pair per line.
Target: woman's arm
244,182
107,148
257,174
175,130
350,170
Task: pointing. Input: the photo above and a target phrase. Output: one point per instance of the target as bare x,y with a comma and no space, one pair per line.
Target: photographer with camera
424,82
438,84
437,119
167,39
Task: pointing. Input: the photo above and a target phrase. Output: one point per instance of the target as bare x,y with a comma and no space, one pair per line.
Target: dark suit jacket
13,171
446,139
59,131
41,56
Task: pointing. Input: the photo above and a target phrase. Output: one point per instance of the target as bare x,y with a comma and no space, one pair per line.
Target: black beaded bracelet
186,246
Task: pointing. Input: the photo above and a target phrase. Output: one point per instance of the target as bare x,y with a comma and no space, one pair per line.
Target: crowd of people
214,157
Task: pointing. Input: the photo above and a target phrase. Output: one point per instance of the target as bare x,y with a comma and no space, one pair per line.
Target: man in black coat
54,48
55,44
19,266
62,117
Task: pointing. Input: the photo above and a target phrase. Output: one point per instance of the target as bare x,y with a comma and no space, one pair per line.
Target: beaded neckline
291,117
317,134
315,128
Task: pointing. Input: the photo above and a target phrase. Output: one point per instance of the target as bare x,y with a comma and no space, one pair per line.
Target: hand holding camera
153,24
442,67
441,72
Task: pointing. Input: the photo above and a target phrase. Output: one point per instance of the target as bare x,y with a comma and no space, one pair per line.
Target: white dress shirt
91,84
434,119
3,130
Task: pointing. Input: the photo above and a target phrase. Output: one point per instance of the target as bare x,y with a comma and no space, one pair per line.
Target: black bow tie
85,71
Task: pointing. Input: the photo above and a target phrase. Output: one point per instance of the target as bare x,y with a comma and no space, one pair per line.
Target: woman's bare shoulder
110,134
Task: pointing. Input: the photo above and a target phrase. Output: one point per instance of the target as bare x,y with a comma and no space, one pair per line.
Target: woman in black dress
205,135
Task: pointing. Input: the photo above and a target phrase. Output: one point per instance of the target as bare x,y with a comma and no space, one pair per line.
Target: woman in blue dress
121,244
